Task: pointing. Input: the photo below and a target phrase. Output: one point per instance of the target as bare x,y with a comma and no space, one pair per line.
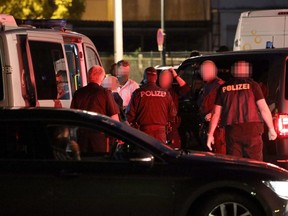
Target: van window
91,58
74,66
48,60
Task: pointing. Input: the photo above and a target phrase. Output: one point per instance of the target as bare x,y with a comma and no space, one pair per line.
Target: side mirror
142,158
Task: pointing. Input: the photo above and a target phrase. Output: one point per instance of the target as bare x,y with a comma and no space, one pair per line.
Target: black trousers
245,140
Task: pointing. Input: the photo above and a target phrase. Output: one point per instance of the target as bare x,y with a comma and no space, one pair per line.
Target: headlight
279,187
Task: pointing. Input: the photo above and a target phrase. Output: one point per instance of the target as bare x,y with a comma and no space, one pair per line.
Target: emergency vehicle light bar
45,23
7,20
282,124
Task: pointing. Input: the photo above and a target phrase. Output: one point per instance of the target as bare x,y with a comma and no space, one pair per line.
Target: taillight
281,125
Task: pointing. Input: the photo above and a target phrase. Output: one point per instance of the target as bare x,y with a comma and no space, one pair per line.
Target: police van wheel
229,204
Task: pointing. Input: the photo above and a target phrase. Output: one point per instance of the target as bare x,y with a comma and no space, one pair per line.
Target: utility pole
118,31
163,52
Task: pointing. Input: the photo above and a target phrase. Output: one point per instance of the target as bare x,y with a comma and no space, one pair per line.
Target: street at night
144,107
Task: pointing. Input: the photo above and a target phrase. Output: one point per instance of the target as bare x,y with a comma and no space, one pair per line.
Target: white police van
262,29
42,66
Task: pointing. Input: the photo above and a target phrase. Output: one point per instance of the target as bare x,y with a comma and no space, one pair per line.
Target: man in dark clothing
95,98
166,79
241,104
206,104
151,107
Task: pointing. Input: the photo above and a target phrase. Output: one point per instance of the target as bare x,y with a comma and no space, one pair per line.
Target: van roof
265,13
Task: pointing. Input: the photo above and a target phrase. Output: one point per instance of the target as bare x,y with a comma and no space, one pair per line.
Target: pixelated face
165,79
110,83
123,71
242,69
61,84
208,71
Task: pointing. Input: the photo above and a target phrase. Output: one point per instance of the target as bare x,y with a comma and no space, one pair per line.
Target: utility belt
152,127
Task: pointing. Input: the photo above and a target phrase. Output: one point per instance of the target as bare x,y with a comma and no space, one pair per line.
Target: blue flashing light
46,23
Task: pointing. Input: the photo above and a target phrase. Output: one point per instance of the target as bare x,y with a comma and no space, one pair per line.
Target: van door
3,100
74,66
48,69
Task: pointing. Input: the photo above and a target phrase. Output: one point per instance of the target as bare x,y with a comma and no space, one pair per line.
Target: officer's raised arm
179,80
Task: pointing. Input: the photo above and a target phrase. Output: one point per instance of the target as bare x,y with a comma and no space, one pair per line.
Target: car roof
245,54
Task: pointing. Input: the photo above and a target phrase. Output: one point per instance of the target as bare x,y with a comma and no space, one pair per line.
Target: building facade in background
148,10
190,24
187,24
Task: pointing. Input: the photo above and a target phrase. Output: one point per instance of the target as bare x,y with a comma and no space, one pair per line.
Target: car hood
231,161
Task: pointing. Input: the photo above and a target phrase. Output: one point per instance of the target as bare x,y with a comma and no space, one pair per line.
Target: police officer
241,104
151,107
206,102
166,79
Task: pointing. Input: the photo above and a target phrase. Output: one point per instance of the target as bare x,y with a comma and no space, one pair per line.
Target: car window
39,141
24,141
83,143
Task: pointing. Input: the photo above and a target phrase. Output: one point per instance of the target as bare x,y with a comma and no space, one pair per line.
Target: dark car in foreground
42,174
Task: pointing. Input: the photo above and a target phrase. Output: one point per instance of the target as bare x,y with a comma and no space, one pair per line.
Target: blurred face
60,84
111,83
241,69
123,73
165,79
208,71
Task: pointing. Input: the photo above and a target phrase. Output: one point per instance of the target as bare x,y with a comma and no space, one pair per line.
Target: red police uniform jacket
238,98
151,105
